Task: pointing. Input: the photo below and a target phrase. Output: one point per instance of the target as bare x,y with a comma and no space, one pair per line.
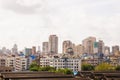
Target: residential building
28,51
106,50
53,44
5,69
66,44
15,49
20,63
92,61
33,50
2,61
100,46
95,47
88,44
4,50
73,64
115,50
45,47
79,49
10,62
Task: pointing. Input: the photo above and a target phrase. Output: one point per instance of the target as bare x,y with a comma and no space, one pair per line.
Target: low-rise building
73,64
11,62
20,63
93,62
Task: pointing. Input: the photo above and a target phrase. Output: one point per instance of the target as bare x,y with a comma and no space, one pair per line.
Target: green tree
47,68
68,71
87,67
64,71
104,67
33,66
117,68
60,71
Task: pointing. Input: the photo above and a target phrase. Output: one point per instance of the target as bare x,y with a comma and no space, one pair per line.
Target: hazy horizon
28,23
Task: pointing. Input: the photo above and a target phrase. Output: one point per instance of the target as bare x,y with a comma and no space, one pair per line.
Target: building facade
15,49
20,63
3,61
115,50
106,50
53,44
88,44
28,51
45,47
79,49
100,46
34,50
11,62
66,44
73,64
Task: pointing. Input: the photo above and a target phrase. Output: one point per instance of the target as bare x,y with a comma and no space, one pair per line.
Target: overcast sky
30,22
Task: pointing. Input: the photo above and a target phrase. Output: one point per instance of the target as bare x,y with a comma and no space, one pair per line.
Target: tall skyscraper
100,46
88,44
28,51
95,47
4,50
66,44
115,49
39,51
106,50
79,49
15,49
33,50
73,47
53,44
45,47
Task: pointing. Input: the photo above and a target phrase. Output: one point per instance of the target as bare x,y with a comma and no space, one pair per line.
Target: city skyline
28,23
88,45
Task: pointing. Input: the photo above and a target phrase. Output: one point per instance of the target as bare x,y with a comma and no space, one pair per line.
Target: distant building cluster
90,51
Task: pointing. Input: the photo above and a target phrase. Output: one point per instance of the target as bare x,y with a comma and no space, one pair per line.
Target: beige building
45,47
100,46
20,63
11,62
53,44
66,44
2,61
106,50
79,49
88,44
17,63
115,50
33,50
